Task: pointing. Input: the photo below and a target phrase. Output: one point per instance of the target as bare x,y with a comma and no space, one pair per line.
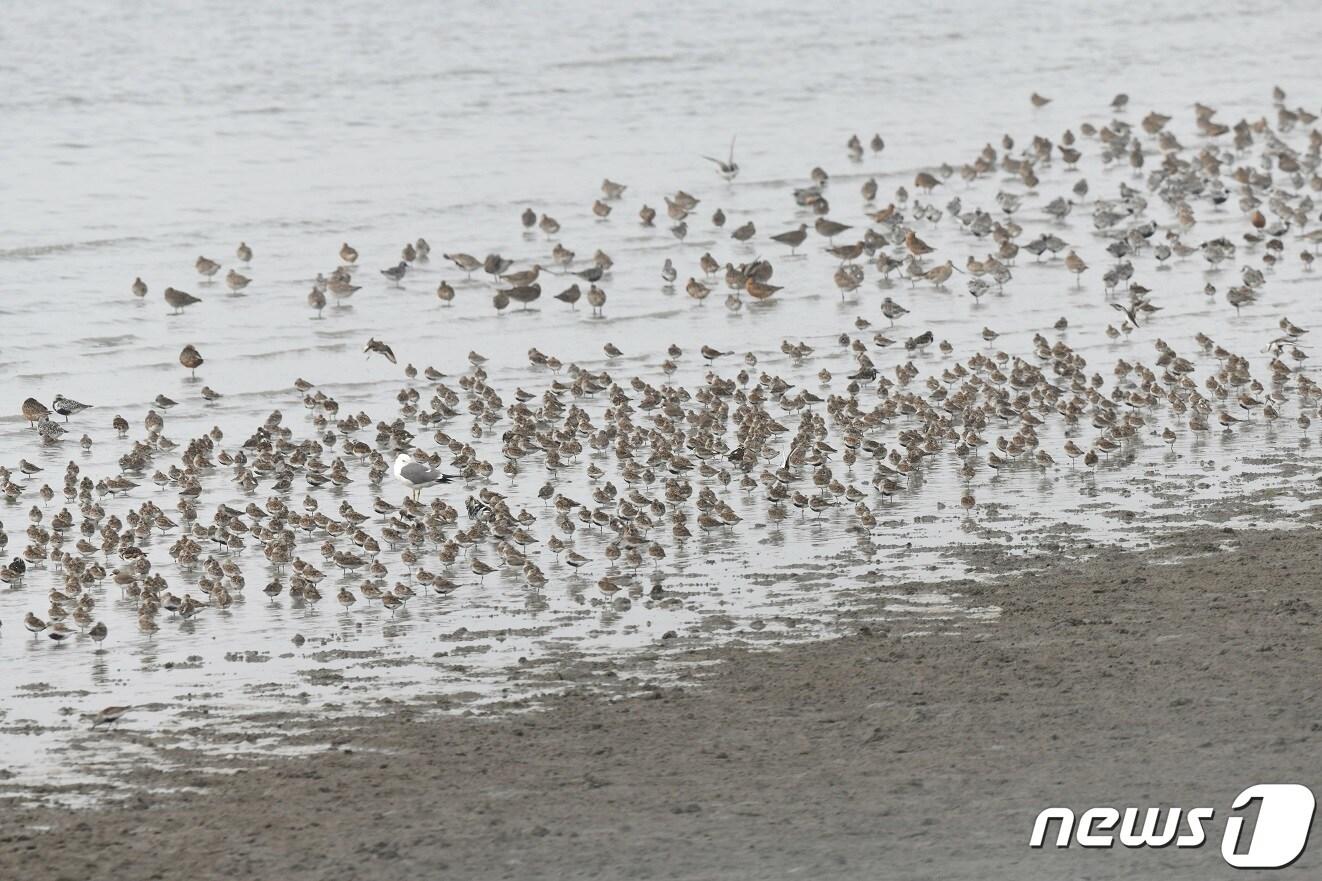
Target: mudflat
1169,677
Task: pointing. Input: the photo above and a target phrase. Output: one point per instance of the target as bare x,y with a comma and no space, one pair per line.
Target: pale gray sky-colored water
137,136
140,135
189,120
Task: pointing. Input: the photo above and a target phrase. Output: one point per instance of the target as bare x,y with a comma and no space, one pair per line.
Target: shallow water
164,133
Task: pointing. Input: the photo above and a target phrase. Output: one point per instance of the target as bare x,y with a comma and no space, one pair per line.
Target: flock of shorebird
656,461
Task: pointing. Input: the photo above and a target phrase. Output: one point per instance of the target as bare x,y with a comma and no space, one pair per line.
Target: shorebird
396,273
892,310
243,252
317,300
794,237
711,354
1074,263
830,228
495,265
744,232
445,293
847,279
375,345
523,294
562,256
596,299
107,716
668,272
729,169
523,277
34,410
939,275
1131,312
466,262
50,431
480,568
916,246
847,253
67,407
342,290
139,287
191,359
177,299
236,282
760,290
925,181
1059,207
207,268
570,295
348,254
1291,329
1240,296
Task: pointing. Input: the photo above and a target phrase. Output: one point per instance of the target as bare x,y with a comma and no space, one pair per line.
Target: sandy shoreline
1115,680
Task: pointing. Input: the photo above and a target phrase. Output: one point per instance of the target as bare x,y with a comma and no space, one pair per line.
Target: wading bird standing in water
417,476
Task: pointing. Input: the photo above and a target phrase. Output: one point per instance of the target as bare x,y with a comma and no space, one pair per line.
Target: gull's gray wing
416,472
